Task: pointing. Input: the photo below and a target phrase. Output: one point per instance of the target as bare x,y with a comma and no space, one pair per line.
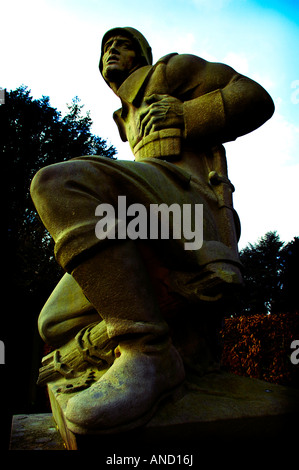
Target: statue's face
119,59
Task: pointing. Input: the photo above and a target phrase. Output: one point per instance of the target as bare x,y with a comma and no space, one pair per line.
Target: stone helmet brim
143,47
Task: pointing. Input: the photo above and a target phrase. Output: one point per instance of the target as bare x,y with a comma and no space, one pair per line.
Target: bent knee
45,179
51,179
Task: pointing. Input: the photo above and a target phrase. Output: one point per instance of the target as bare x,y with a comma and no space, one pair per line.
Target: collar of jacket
132,89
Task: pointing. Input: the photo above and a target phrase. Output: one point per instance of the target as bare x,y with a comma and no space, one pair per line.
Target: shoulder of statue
175,58
181,66
166,58
184,72
186,60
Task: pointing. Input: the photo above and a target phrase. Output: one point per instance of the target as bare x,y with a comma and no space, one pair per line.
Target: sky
53,47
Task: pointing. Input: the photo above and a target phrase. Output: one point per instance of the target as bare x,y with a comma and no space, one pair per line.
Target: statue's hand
161,112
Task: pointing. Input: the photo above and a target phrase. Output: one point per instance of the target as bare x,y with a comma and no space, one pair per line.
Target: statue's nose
114,48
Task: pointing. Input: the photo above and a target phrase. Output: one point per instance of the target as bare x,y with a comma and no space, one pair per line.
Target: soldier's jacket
219,103
219,106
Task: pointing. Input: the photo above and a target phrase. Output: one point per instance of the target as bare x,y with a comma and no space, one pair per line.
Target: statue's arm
219,104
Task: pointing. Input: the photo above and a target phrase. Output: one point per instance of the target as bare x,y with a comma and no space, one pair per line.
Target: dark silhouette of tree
269,276
288,298
34,135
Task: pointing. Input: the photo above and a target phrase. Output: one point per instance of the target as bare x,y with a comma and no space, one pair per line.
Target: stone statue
119,352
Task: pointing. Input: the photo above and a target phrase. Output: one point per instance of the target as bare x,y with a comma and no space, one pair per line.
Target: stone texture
175,114
35,432
217,406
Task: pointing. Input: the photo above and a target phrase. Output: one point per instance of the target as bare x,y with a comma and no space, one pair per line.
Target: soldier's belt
160,144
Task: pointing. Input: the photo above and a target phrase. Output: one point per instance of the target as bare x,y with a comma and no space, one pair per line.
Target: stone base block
218,406
35,432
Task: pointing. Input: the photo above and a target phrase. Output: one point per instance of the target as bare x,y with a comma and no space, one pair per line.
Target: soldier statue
118,294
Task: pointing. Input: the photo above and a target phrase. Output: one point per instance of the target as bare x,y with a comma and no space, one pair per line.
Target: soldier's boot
147,367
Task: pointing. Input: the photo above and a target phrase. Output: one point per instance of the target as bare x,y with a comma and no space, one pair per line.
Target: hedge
259,346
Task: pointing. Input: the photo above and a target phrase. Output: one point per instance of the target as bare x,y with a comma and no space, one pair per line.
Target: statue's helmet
142,46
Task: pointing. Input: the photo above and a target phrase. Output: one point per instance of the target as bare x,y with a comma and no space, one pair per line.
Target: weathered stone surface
175,114
218,405
35,432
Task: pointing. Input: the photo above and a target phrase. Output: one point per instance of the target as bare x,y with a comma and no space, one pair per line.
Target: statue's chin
114,75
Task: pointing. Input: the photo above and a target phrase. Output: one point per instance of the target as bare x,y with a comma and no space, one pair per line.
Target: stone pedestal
218,406
35,432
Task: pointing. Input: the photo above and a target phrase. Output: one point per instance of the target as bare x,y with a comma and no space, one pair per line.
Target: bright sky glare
53,47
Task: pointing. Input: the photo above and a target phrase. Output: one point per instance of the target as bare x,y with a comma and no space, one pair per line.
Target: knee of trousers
65,196
47,182
55,181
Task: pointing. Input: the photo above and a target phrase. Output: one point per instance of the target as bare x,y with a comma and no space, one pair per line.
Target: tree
269,276
34,135
288,299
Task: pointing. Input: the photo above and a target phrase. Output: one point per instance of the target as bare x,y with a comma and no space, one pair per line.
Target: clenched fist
160,112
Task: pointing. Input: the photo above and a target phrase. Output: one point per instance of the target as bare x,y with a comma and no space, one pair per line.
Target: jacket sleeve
219,103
